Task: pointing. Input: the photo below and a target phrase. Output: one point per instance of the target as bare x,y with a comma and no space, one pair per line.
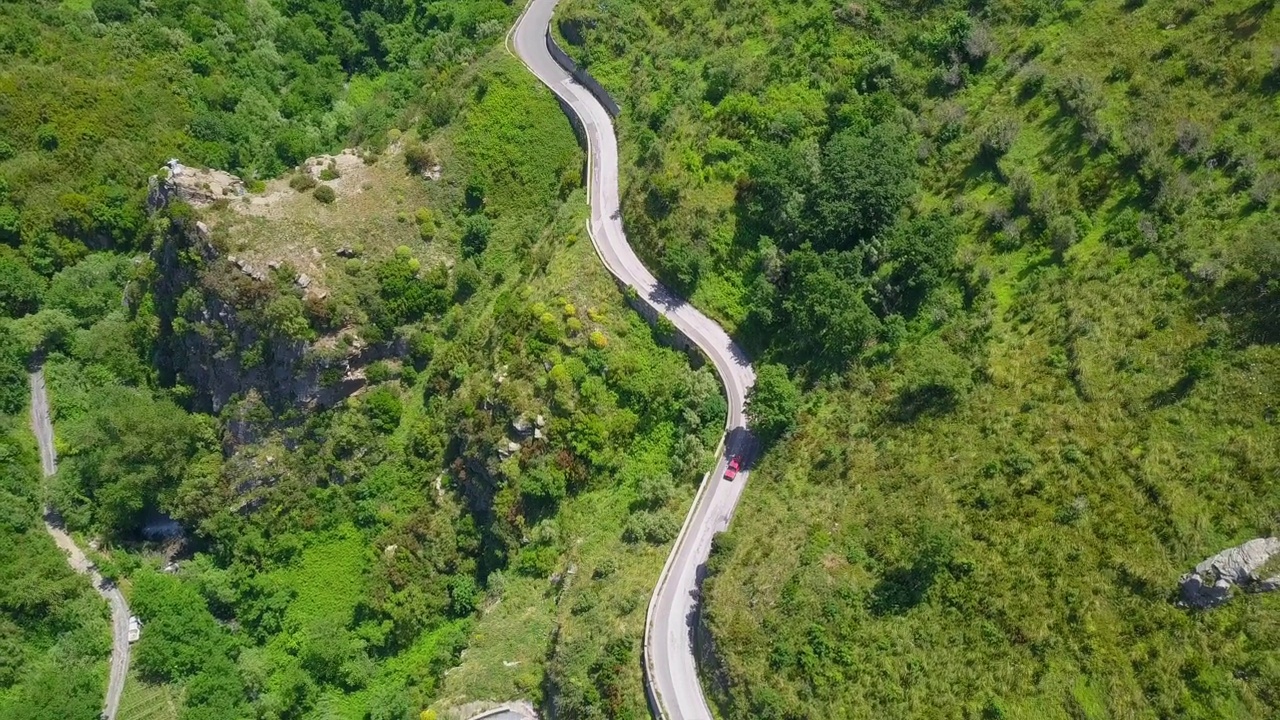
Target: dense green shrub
13,373
383,407
772,403
656,528
109,11
302,181
20,288
324,194
182,636
126,453
419,156
475,234
867,180
90,289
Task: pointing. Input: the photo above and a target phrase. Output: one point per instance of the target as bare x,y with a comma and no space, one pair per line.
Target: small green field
327,580
145,701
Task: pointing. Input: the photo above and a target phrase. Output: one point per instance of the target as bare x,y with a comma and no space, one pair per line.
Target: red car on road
731,471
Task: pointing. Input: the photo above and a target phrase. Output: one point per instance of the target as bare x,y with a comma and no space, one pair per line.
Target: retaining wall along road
584,79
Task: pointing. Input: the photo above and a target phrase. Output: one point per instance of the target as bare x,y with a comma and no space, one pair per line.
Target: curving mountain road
43,428
670,669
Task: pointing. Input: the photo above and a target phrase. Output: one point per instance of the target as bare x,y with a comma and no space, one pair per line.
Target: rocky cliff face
219,333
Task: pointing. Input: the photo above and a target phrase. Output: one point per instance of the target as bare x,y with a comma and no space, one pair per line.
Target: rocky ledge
1209,585
194,186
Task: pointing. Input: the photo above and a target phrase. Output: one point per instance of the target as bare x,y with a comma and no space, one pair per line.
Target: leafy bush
13,373
302,181
325,194
653,491
655,528
867,179
468,279
20,287
475,234
383,407
378,372
182,636
128,452
772,403
91,288
115,11
419,157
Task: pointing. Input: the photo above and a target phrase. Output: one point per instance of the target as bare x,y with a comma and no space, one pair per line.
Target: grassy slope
1018,556
513,638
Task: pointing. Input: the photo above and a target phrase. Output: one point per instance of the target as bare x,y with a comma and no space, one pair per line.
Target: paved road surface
671,671
43,429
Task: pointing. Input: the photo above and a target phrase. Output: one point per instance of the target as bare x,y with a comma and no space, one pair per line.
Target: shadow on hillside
900,590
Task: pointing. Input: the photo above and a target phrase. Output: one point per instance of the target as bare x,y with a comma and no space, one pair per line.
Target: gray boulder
521,428
1209,585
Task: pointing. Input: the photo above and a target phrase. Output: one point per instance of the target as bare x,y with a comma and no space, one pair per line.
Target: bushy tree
654,490
126,454
20,287
115,11
772,403
90,289
404,296
13,372
681,261
383,407
419,157
782,181
922,252
867,179
182,637
652,527
215,692
829,319
475,234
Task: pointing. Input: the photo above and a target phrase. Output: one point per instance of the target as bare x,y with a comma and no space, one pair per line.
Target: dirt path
43,428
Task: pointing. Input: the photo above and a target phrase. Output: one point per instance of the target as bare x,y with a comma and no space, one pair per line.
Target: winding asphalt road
43,428
670,668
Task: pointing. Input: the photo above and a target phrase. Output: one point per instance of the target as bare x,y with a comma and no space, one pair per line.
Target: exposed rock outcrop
214,338
198,188
1243,566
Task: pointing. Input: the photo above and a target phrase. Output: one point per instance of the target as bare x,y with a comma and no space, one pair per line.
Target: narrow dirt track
43,428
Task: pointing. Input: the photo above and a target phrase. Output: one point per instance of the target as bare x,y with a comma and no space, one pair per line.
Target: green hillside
1023,258
498,450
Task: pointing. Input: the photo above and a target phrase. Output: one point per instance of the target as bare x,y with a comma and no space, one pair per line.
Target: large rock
196,187
1210,583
